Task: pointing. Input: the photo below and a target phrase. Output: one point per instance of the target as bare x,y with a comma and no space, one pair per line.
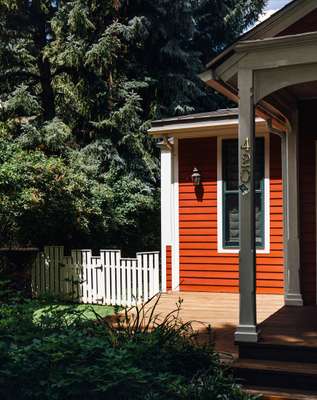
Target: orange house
238,186
201,253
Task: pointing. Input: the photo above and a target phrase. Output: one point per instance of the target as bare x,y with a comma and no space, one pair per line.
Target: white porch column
293,296
175,217
166,205
247,329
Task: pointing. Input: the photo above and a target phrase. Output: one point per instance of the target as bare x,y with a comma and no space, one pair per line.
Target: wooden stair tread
280,343
277,366
281,394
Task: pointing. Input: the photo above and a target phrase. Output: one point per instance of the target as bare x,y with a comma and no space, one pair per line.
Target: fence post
105,262
134,297
157,286
128,267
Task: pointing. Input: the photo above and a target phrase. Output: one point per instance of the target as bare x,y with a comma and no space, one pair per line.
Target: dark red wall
307,185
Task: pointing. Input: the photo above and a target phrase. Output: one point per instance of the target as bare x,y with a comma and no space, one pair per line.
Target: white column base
293,299
246,334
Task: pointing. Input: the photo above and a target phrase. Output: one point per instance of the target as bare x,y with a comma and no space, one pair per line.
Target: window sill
236,251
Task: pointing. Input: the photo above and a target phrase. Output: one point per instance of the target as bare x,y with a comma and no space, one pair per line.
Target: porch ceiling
283,68
303,91
281,52
286,99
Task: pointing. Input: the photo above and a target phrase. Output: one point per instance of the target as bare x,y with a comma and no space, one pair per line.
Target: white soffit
204,128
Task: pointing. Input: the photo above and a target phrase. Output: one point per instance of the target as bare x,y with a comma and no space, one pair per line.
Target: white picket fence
106,279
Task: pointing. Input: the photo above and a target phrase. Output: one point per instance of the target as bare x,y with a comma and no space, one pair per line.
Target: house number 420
245,161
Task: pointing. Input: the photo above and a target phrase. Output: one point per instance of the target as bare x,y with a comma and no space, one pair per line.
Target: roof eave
263,110
208,128
255,32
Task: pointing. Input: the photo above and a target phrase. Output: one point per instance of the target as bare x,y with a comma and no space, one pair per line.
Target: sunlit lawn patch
87,311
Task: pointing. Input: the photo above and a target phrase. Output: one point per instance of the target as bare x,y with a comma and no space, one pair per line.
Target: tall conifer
80,81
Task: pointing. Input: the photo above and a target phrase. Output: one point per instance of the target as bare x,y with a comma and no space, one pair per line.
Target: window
230,193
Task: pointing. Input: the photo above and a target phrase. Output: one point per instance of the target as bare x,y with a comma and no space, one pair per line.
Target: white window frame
220,236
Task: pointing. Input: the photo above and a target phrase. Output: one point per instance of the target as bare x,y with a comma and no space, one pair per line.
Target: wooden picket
106,279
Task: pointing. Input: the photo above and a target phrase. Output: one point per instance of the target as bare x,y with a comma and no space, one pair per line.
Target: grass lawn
87,311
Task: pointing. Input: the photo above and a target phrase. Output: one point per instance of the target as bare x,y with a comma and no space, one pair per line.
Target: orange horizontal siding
228,289
275,231
202,268
227,259
264,276
228,267
168,267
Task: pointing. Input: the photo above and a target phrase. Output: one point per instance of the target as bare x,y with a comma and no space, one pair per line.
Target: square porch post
293,295
247,329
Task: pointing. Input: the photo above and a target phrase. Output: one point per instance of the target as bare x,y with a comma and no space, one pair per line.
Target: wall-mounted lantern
196,178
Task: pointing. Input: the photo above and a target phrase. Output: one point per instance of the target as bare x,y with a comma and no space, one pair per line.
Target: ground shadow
291,325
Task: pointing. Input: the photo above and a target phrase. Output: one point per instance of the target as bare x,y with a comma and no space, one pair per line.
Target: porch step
276,374
281,394
278,352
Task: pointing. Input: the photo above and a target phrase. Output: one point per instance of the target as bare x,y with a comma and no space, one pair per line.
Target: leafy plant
64,355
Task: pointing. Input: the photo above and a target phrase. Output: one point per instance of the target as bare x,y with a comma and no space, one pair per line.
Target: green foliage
80,82
64,355
41,197
220,22
182,36
20,103
72,139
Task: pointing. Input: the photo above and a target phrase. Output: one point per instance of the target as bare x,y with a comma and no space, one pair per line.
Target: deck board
219,310
291,326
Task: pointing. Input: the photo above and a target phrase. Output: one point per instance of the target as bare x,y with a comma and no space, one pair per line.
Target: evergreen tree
65,92
183,35
220,22
80,81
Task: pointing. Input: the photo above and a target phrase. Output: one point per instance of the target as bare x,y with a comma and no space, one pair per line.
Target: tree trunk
40,40
47,95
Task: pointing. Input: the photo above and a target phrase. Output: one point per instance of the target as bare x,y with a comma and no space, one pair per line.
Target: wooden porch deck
293,326
282,365
219,310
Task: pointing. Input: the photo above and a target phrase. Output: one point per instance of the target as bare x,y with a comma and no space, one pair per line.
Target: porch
278,324
281,365
275,76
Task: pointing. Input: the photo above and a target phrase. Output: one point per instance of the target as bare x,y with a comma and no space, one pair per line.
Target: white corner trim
166,208
267,205
220,247
175,218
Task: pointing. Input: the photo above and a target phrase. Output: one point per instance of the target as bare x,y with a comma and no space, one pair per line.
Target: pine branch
20,74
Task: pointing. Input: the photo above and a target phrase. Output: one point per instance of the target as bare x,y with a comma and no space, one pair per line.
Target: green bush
63,355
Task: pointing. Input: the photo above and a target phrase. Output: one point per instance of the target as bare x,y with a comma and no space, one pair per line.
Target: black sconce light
196,178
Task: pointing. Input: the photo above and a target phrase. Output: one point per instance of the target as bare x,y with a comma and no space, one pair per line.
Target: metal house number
245,174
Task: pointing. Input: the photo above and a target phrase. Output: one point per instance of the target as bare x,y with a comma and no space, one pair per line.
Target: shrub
63,355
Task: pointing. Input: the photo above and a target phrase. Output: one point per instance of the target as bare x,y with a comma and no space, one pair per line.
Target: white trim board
166,207
175,218
220,247
170,211
204,129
